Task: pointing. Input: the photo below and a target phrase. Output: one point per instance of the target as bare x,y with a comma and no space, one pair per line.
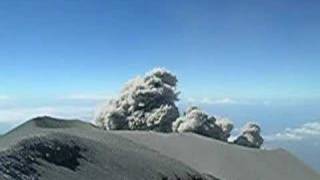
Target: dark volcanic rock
22,160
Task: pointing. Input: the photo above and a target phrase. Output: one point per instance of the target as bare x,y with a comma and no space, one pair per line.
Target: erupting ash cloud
145,103
197,121
250,136
148,103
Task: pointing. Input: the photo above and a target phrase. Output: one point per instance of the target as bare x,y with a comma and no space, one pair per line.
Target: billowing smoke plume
197,121
226,126
148,103
145,103
250,136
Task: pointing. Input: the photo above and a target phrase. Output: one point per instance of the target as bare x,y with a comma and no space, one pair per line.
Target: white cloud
4,97
93,97
74,106
224,101
20,114
211,101
307,130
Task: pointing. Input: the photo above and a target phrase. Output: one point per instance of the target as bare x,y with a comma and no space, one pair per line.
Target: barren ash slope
225,161
45,148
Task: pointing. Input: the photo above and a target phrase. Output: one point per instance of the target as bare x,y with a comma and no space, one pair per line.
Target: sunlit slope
225,161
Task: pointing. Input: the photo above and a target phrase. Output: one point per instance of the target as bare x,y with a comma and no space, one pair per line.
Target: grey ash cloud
197,121
149,103
250,136
145,103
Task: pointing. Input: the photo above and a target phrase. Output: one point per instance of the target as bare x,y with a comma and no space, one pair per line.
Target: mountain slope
46,148
225,161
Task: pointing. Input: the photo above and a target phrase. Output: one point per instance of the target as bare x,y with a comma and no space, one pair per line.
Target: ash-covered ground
46,148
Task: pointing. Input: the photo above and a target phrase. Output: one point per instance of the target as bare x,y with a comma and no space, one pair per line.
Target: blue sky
247,60
250,49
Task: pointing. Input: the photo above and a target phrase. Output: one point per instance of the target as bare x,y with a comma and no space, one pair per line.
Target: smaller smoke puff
196,121
145,103
226,126
250,136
